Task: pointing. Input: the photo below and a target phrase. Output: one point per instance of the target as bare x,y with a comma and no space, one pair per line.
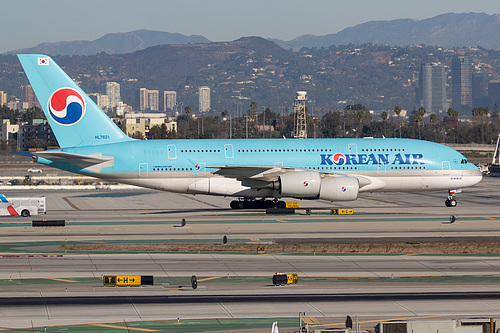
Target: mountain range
114,43
446,30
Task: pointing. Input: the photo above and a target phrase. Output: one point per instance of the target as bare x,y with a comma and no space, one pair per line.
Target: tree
418,118
397,111
253,109
453,114
384,117
433,119
187,109
157,132
138,135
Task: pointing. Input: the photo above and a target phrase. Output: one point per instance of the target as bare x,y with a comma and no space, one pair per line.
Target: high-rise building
461,83
3,98
479,85
154,100
102,101
28,98
143,99
169,100
431,92
113,92
149,100
204,99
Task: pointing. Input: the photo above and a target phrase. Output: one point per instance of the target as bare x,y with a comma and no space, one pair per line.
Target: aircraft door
352,149
171,152
228,151
143,169
382,168
446,167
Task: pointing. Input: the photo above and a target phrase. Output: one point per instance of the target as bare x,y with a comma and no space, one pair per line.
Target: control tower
299,115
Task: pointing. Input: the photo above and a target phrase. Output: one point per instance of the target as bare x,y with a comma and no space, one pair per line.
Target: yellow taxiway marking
210,278
489,218
254,239
63,280
310,320
379,320
282,221
126,327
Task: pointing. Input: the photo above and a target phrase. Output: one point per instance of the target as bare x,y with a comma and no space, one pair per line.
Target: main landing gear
256,204
450,201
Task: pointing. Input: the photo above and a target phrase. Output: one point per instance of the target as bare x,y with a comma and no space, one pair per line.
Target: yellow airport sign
127,280
133,280
342,211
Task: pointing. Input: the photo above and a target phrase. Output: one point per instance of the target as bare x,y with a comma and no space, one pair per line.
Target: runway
42,285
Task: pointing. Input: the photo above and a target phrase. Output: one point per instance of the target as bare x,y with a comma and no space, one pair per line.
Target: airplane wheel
281,204
241,205
269,204
453,203
447,203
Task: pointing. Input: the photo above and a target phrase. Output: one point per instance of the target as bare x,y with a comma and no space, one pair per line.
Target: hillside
255,69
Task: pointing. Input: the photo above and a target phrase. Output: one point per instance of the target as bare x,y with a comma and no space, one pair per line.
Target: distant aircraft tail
74,118
3,198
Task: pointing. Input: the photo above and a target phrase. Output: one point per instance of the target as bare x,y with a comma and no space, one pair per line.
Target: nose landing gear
450,201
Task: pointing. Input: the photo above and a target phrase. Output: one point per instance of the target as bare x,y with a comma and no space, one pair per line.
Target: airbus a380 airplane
328,169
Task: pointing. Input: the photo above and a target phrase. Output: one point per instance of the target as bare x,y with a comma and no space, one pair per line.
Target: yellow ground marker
63,280
282,221
254,239
210,278
310,320
489,218
126,328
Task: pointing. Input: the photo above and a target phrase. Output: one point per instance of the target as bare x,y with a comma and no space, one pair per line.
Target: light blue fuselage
398,164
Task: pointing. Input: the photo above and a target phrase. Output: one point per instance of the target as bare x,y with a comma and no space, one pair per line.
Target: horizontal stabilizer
83,161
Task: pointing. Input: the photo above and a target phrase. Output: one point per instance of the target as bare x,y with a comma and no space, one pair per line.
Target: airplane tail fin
3,198
74,118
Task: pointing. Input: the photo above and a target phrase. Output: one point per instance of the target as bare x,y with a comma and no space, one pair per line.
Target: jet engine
309,185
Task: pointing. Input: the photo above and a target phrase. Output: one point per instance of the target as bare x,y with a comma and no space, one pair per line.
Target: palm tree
433,118
253,108
397,111
420,120
384,117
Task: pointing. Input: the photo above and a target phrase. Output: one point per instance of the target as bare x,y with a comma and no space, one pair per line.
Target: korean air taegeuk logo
66,106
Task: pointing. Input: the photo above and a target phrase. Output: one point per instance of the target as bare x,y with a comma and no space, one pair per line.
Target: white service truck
22,206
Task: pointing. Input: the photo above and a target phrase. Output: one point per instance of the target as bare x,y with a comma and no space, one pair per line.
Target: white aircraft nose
472,177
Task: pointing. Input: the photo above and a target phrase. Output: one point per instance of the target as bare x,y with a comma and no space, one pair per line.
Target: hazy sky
26,23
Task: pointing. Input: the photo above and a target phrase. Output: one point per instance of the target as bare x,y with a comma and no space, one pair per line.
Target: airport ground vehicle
22,206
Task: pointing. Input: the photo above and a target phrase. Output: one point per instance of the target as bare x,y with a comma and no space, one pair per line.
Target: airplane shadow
211,210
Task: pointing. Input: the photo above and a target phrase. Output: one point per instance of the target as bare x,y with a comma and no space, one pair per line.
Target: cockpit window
464,161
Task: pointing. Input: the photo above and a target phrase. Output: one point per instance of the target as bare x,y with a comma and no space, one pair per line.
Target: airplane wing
84,161
251,172
264,173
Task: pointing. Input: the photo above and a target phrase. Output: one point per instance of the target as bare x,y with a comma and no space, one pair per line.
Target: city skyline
320,17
